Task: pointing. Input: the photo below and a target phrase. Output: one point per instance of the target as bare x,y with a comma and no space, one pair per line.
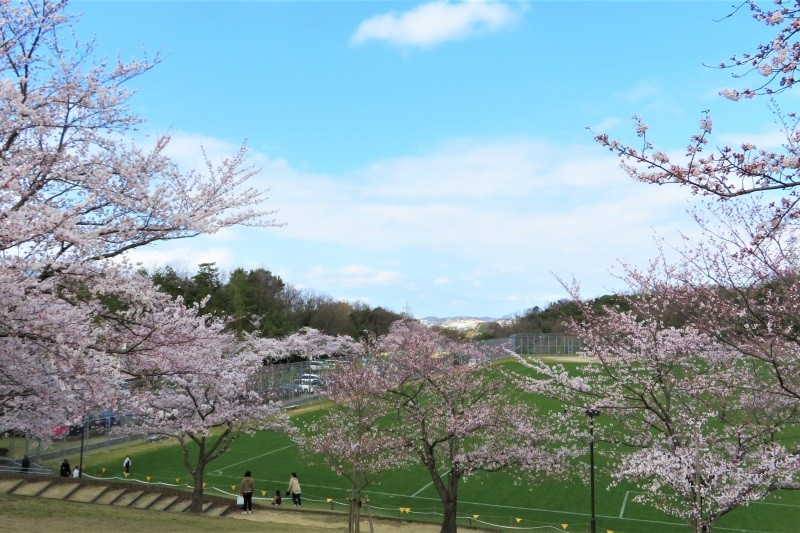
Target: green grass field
484,500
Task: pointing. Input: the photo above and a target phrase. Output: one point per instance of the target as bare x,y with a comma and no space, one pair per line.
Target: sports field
484,500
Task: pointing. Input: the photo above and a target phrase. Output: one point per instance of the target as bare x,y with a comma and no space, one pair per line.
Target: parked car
291,389
317,365
297,387
310,378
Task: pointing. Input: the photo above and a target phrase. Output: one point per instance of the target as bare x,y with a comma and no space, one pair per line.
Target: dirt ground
321,521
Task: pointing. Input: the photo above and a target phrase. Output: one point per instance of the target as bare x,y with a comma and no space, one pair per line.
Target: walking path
163,499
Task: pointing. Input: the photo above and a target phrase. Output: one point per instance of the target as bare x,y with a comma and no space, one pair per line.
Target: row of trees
80,329
257,301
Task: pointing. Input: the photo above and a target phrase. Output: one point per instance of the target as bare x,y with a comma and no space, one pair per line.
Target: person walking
65,468
294,489
247,492
126,464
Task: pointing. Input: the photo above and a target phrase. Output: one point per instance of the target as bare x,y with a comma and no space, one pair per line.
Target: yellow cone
204,484
329,500
564,526
263,493
609,531
475,516
149,478
233,487
519,520
177,480
126,474
104,470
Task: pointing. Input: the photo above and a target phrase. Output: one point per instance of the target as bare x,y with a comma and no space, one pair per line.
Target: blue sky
433,156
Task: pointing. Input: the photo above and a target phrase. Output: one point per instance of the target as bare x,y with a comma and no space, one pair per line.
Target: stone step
87,494
217,510
163,503
110,496
10,485
180,506
128,498
137,499
146,500
60,491
32,489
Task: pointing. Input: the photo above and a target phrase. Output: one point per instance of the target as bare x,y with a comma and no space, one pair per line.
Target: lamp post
83,439
592,413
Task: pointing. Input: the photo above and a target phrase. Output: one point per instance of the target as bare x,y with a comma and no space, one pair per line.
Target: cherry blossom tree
452,413
731,172
311,344
696,426
735,290
348,436
205,401
76,195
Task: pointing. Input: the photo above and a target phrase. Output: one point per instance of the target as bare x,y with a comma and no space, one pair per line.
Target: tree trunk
197,492
355,512
450,522
450,504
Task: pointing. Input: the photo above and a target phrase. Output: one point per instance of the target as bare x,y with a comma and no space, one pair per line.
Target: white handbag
240,500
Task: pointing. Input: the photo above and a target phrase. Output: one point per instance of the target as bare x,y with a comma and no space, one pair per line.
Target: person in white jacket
294,489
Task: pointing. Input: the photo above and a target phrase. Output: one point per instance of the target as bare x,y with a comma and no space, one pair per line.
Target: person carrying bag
248,486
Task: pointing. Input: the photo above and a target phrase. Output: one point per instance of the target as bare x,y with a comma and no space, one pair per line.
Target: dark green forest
258,300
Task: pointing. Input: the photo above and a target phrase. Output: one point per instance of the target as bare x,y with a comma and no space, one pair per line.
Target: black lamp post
592,413
83,439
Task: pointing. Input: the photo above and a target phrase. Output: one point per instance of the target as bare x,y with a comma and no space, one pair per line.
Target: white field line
624,503
426,486
775,503
517,508
252,458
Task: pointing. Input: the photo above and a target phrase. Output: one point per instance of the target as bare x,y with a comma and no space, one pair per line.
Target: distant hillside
457,322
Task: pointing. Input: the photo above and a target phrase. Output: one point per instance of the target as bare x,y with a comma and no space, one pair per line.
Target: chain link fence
537,344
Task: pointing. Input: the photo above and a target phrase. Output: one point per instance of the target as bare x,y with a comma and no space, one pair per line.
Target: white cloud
492,212
433,23
354,276
506,198
182,257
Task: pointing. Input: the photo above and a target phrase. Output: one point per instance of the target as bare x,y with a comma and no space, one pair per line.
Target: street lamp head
592,412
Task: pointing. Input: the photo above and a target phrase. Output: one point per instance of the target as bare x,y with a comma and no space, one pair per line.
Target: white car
306,385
